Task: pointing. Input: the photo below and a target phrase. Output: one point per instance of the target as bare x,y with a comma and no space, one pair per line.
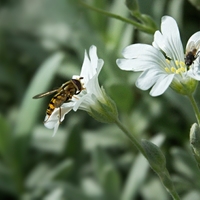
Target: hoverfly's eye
78,83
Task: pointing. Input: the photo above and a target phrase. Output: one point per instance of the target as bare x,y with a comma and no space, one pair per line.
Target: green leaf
195,3
48,173
42,140
194,195
5,138
117,92
153,184
184,164
70,191
107,174
114,138
6,182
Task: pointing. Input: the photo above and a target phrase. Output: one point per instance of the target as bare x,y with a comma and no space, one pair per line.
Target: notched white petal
194,71
193,42
161,44
161,85
195,38
84,103
156,79
53,121
85,68
93,57
125,64
136,50
91,65
169,38
147,79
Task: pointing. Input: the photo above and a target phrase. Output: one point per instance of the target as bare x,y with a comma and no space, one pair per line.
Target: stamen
183,69
182,64
173,69
179,68
177,62
167,69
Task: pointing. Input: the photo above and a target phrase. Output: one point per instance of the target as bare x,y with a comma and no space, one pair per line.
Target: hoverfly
192,53
63,94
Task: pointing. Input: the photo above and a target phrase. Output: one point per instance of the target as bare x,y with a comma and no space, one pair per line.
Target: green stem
166,180
140,26
131,137
195,108
164,176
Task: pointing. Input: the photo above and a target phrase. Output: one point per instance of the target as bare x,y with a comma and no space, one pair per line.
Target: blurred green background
42,44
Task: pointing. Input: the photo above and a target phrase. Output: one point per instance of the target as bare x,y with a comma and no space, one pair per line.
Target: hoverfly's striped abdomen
64,94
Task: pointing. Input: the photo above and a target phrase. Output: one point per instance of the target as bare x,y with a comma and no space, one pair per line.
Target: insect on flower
63,94
192,53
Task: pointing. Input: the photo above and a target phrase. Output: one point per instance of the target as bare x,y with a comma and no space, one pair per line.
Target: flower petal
194,71
194,39
161,85
147,79
136,50
142,65
91,66
84,103
147,58
168,40
58,115
126,64
156,78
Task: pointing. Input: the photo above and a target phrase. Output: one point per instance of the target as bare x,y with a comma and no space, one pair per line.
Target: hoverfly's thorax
192,52
190,57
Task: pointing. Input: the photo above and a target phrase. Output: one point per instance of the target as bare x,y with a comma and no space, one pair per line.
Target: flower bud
155,156
104,110
195,141
132,5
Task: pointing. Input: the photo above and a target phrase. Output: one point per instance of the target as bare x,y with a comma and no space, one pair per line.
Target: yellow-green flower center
182,84
178,67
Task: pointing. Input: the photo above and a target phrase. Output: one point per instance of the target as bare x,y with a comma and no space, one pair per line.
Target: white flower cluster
163,63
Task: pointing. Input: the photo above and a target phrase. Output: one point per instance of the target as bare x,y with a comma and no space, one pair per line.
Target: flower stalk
142,27
195,142
131,137
155,158
166,180
195,107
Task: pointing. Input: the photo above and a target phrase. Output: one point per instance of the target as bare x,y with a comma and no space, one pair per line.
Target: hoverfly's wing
190,47
45,94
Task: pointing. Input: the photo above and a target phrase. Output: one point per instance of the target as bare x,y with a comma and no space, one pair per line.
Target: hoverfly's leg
78,92
76,97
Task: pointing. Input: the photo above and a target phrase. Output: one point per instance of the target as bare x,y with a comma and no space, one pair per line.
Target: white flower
91,98
163,63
